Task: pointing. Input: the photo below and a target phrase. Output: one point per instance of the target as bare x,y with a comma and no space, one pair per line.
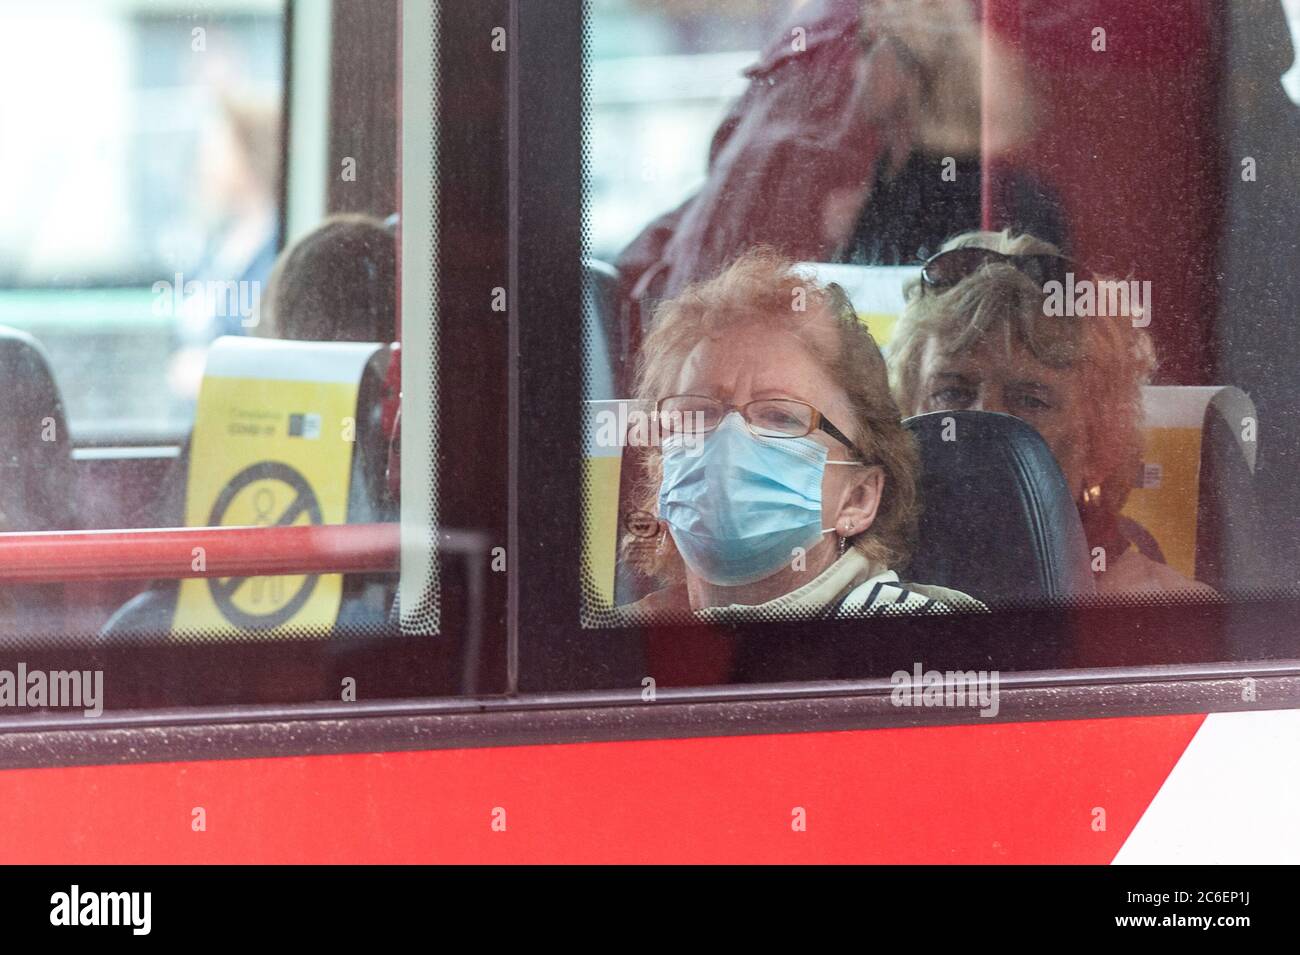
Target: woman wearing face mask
784,484
978,334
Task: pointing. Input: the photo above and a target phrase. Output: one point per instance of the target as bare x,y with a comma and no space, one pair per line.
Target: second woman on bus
976,334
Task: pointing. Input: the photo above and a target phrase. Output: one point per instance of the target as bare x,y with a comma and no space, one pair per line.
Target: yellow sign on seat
273,441
1169,500
876,291
609,428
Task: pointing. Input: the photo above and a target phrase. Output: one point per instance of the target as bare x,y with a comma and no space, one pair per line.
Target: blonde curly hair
1113,358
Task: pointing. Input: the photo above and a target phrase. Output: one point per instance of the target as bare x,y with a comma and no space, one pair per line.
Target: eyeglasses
946,269
766,417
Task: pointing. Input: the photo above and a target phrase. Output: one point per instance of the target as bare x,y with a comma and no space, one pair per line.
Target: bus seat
612,337
1194,494
876,291
605,329
36,472
365,599
997,519
37,479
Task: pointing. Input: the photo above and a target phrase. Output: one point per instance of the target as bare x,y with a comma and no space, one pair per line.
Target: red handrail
171,553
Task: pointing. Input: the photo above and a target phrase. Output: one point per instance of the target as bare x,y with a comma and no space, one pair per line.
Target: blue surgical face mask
737,504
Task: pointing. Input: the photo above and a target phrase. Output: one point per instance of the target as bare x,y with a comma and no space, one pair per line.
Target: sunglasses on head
946,269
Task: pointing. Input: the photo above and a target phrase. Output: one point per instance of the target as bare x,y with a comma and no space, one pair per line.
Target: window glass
661,81
214,279
938,308
140,184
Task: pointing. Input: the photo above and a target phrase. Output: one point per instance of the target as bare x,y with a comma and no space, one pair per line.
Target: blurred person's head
741,493
338,283
934,60
989,343
239,156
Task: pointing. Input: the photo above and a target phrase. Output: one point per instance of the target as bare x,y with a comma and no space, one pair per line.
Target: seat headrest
607,344
1196,494
998,521
35,451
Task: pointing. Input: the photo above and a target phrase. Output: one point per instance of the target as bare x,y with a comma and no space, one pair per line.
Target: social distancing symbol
264,454
267,494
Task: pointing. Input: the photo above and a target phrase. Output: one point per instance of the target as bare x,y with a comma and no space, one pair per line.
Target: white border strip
418,591
1175,406
271,359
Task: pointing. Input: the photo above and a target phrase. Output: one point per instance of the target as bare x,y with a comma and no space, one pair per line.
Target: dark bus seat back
997,519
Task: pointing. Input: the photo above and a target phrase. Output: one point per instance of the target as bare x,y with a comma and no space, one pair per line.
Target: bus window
882,238
214,279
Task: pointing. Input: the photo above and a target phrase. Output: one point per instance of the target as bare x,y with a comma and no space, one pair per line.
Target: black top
908,217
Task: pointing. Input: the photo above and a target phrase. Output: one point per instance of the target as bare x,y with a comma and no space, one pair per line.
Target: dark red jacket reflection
794,151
